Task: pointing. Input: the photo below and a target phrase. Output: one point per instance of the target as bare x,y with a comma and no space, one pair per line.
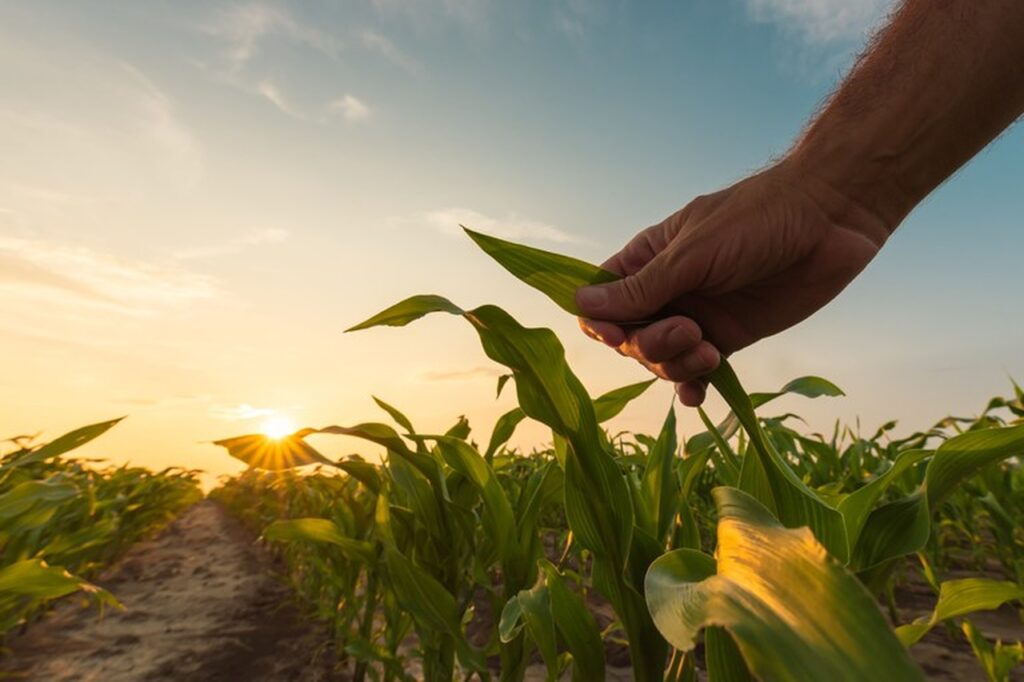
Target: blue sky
196,198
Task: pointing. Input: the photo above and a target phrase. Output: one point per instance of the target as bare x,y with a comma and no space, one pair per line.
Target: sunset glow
278,427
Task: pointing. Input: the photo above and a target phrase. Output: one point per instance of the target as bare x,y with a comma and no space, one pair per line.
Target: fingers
692,393
671,348
692,364
663,340
607,333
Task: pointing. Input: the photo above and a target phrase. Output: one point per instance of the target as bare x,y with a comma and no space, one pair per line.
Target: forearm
939,83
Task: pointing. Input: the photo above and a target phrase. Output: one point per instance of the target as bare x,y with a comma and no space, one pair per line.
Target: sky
197,198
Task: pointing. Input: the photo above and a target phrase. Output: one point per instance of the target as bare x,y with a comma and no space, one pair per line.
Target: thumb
634,297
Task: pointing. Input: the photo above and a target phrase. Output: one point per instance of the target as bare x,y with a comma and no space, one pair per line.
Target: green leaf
36,580
808,386
511,622
794,503
961,456
430,604
499,519
275,454
795,613
893,530
397,415
535,605
658,497
69,441
502,380
384,435
724,660
319,530
408,310
959,598
559,277
612,403
857,506
902,527
27,494
577,627
503,430
552,274
364,472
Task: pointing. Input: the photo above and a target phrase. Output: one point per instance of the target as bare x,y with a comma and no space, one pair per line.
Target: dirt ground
202,603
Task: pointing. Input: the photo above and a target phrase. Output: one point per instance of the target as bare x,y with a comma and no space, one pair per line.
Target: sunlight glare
278,427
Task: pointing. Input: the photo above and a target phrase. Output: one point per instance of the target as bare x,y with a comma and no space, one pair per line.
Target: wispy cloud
161,125
231,246
461,374
63,274
820,22
351,108
447,221
245,27
252,37
384,46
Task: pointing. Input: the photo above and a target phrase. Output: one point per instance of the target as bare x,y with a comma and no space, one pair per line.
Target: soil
203,603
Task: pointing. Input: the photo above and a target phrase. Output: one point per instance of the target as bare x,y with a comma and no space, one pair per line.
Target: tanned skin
938,83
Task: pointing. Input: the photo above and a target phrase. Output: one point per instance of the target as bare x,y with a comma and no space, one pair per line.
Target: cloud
351,108
270,92
231,246
244,28
68,276
160,124
461,374
447,220
106,116
240,412
384,46
820,22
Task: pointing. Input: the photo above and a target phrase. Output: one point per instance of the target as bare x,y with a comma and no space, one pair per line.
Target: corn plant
61,520
806,531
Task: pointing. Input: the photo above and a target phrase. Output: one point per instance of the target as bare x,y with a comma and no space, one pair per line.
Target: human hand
727,270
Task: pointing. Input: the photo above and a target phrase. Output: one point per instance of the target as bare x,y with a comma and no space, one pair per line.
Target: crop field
750,550
62,519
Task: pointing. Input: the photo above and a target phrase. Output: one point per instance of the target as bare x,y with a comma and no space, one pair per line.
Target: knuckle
635,291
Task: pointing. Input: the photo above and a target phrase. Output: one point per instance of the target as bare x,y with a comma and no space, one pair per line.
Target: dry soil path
201,604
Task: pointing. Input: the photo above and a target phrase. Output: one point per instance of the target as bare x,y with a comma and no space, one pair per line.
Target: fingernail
592,298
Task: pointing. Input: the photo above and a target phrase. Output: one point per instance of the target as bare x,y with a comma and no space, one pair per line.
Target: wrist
863,174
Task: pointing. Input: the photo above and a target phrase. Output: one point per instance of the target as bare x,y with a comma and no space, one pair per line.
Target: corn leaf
555,275
503,430
275,454
613,402
69,441
959,598
794,612
28,494
396,414
658,498
319,530
577,627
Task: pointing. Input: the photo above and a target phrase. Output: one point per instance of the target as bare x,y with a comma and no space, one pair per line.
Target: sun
278,427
